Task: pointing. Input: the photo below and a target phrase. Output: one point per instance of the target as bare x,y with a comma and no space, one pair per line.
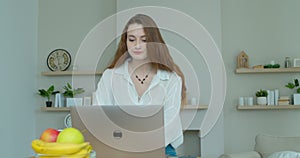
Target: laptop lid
122,131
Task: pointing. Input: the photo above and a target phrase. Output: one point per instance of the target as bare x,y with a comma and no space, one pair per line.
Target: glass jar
287,62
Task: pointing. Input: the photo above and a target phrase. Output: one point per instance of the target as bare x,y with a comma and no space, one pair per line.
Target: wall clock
59,60
68,121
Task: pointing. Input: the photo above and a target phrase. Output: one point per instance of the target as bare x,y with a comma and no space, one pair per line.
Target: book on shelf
276,96
273,96
284,100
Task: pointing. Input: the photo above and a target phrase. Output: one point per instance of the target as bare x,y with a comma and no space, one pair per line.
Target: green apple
70,135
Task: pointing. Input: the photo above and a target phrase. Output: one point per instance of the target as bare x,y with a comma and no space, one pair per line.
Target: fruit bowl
67,143
91,155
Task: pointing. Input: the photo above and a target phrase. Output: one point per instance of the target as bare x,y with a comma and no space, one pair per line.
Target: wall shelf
268,70
268,107
53,109
69,73
195,107
66,109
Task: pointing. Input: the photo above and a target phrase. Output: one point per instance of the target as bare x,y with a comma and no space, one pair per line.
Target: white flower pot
74,102
296,99
261,100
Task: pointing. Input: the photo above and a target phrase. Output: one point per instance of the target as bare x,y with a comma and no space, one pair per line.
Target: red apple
49,135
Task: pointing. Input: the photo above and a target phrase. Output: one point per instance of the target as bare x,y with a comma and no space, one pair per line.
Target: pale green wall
267,30
208,13
18,43
64,24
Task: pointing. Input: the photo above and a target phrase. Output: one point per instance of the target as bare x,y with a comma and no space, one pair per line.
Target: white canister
241,101
250,101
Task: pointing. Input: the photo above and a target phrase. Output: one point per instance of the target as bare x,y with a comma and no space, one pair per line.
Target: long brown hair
158,52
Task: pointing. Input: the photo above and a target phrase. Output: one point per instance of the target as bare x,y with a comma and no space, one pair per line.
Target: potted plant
70,94
261,97
295,96
47,94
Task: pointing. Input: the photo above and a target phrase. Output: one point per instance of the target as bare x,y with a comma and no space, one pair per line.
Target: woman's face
136,42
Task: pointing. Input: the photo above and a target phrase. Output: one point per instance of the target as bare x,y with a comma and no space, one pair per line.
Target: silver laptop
122,131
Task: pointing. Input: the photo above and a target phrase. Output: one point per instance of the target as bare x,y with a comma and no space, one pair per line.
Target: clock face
59,60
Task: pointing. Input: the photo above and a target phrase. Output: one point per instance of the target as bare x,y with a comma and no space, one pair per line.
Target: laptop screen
122,131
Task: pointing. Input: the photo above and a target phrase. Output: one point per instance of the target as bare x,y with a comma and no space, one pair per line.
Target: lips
137,52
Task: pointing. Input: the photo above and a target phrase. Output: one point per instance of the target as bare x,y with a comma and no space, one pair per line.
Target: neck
139,66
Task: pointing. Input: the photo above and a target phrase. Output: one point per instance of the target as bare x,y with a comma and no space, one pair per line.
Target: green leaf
43,92
70,92
69,85
50,89
47,93
296,82
276,66
298,90
78,91
268,66
290,85
261,93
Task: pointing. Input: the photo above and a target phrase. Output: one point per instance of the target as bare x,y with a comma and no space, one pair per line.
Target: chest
131,92
141,84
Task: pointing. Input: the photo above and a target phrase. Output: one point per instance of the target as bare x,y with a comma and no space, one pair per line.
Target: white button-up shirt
116,88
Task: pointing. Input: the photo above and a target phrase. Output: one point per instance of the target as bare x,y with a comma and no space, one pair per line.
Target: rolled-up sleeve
173,125
173,98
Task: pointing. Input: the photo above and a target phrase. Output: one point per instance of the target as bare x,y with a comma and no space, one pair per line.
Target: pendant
141,80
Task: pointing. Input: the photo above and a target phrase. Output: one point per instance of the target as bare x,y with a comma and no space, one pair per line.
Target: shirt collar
163,75
123,69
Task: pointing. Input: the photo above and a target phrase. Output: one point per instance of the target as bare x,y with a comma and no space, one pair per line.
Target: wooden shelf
195,107
268,107
268,70
50,109
69,73
66,109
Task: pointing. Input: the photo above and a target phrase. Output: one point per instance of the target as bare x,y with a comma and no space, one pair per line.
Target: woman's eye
130,40
144,40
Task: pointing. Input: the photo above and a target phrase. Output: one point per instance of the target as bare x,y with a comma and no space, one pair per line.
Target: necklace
142,81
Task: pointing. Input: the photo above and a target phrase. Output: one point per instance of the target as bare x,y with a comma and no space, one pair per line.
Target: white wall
267,30
18,42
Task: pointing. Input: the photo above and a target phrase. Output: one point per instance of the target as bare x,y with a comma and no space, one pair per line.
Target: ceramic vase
261,100
73,102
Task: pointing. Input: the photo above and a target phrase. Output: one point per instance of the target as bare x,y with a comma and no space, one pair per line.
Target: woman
144,73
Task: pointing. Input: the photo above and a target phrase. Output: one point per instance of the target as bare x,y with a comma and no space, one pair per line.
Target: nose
138,44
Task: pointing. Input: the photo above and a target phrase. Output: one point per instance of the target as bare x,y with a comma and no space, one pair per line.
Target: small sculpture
242,60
